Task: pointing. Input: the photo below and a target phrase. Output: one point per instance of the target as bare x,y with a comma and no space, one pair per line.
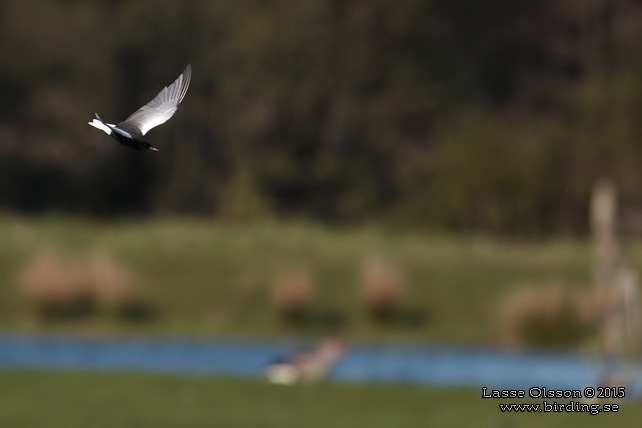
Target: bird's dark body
129,136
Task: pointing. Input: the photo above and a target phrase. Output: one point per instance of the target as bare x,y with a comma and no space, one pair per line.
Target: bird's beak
153,149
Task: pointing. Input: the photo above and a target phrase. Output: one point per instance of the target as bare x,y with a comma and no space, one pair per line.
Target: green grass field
69,400
211,279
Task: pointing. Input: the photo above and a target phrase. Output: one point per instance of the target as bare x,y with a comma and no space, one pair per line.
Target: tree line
492,116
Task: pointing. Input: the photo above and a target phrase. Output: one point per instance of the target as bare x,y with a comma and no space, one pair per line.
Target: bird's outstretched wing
163,106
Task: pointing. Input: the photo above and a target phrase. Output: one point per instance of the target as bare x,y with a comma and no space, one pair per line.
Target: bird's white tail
97,123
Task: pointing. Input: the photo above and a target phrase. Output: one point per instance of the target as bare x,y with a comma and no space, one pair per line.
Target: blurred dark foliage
464,115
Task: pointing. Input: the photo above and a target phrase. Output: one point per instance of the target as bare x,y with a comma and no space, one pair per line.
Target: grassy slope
210,279
72,400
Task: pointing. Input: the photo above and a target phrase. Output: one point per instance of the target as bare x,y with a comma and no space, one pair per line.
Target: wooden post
606,251
616,283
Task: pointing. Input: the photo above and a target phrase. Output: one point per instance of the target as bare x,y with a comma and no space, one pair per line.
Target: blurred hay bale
111,283
57,285
293,294
547,315
54,284
382,288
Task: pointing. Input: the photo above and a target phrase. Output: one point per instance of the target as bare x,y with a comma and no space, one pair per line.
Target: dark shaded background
475,115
